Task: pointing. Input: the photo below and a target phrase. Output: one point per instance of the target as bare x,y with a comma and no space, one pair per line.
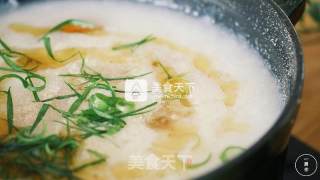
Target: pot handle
293,8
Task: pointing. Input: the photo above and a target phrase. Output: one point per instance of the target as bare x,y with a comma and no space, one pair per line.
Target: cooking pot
267,27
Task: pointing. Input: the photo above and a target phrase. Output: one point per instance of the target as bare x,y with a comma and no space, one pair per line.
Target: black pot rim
288,111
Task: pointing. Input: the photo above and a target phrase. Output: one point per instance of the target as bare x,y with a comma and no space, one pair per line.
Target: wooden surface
307,127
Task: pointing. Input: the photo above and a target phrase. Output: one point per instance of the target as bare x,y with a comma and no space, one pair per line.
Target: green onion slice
231,152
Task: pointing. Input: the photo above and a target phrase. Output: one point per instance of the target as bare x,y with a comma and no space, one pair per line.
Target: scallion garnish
231,152
77,22
59,97
73,89
99,76
40,116
47,41
197,165
99,159
48,47
5,46
43,156
15,76
9,110
26,81
105,114
134,44
169,76
76,94
76,104
10,52
49,156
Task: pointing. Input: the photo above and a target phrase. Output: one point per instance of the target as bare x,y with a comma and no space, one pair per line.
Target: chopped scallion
231,152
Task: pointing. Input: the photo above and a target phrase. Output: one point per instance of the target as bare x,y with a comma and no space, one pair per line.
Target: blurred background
307,127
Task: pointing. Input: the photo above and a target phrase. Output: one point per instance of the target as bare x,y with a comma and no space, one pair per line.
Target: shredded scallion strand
40,116
47,40
200,164
48,47
9,110
14,68
99,159
67,22
136,44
